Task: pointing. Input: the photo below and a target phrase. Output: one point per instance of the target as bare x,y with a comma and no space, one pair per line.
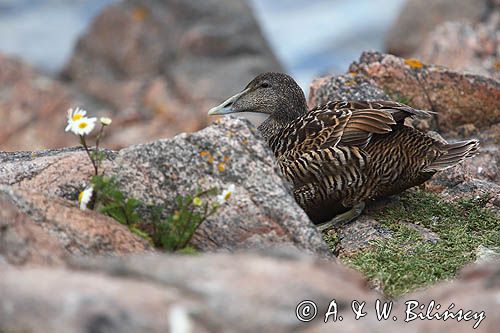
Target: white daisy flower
83,126
73,116
105,121
84,197
226,194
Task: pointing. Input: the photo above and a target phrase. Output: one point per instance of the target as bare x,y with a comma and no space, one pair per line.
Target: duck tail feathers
454,153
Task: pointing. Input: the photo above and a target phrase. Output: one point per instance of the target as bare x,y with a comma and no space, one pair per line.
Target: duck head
269,100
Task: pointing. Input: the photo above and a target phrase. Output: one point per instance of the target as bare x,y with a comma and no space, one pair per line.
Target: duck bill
227,106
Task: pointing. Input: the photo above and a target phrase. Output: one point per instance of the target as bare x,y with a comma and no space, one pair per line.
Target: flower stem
98,139
84,144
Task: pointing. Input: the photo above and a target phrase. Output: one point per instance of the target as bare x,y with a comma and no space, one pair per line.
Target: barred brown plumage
344,153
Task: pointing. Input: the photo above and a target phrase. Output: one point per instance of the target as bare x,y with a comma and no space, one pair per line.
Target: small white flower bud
105,121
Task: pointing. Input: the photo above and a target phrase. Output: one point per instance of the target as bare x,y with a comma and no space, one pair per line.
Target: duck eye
265,85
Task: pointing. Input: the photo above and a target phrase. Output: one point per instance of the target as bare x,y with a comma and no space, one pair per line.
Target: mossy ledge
406,260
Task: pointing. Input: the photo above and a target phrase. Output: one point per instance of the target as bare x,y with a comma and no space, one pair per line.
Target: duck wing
330,139
374,117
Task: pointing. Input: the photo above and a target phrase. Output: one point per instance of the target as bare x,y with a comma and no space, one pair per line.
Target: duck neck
270,128
279,119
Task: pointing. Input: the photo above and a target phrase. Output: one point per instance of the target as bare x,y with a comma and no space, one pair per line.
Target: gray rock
261,213
40,222
359,234
221,293
211,293
64,229
418,18
464,46
159,65
22,241
487,254
344,87
476,189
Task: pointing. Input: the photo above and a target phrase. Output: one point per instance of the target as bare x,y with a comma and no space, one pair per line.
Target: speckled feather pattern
345,152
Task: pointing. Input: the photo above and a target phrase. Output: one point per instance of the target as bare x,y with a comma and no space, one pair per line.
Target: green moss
332,240
406,261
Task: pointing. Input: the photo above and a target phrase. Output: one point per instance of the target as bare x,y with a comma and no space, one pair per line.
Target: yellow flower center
77,116
227,196
80,196
82,125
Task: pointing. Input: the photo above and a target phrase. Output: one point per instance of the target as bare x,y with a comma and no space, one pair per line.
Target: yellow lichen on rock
139,13
414,63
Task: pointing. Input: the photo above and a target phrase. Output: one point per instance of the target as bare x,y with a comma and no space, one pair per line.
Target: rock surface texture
418,18
261,213
216,293
459,99
465,46
162,64
461,35
40,191
30,104
155,67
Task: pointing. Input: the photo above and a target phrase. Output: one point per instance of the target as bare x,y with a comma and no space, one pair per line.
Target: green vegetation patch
167,231
407,261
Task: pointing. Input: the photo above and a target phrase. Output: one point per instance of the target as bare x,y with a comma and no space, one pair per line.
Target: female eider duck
340,155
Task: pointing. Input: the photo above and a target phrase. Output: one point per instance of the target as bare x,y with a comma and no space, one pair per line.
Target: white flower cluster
84,197
226,194
80,124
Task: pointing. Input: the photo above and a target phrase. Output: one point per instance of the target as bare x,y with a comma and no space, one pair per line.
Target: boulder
59,172
262,211
155,67
217,292
351,86
39,191
418,18
458,98
22,240
162,64
75,231
207,293
32,107
464,46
